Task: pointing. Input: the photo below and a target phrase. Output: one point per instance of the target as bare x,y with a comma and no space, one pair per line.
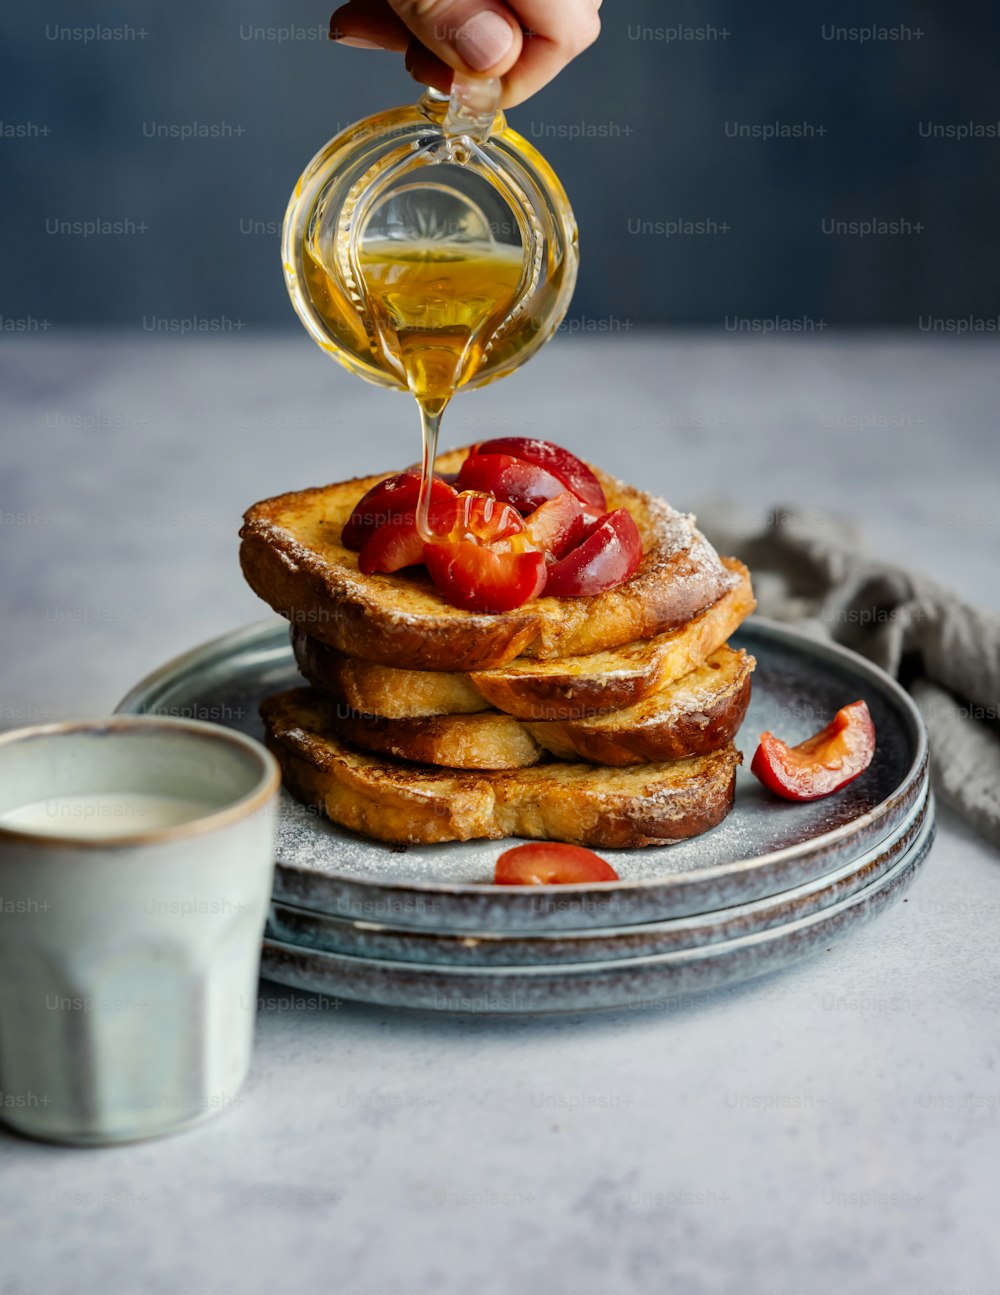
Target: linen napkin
811,567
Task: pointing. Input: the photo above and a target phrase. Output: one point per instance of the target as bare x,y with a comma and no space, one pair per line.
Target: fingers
369,24
555,32
529,42
478,36
427,68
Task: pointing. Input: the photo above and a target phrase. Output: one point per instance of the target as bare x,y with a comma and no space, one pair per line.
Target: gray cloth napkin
811,567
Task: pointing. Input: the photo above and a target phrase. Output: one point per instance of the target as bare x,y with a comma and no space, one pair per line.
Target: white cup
136,861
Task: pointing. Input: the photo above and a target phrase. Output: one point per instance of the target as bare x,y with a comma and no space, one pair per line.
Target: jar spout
472,107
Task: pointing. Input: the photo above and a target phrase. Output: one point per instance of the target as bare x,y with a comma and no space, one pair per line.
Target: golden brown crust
576,687
570,688
374,689
697,714
649,804
292,557
489,740
356,618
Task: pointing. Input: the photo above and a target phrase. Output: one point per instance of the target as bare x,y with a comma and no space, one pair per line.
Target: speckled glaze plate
764,847
636,983
289,924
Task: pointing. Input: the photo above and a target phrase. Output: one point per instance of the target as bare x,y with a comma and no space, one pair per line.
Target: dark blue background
655,110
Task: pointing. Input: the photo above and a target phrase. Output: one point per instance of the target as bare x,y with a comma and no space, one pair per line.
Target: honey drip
436,309
442,315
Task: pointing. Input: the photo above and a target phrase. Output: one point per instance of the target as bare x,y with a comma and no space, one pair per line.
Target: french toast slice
567,688
489,740
578,686
396,801
373,689
695,715
292,557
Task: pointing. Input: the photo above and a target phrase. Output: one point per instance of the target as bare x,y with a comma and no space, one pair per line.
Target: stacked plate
422,926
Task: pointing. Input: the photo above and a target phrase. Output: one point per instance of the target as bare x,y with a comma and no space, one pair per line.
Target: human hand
523,42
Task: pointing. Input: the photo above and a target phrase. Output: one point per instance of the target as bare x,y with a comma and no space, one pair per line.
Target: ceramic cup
136,860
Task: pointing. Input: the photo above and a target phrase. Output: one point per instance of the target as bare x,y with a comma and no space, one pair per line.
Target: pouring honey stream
437,309
431,248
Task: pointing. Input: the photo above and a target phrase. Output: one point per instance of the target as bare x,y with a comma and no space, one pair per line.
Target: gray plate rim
891,848
248,638
901,872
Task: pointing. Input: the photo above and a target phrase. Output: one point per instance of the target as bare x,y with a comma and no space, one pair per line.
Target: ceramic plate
289,924
764,847
590,986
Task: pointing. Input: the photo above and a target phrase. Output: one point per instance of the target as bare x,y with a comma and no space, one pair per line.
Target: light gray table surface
832,1128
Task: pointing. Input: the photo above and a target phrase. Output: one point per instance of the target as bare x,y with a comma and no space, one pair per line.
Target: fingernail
356,42
483,40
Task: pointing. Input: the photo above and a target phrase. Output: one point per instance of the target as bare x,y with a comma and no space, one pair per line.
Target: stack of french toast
604,719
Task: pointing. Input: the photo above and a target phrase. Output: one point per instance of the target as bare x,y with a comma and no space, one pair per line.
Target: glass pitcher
430,247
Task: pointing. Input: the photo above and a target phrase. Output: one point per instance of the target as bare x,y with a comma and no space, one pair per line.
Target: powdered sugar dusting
790,689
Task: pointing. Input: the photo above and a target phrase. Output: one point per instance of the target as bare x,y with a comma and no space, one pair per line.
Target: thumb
469,35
